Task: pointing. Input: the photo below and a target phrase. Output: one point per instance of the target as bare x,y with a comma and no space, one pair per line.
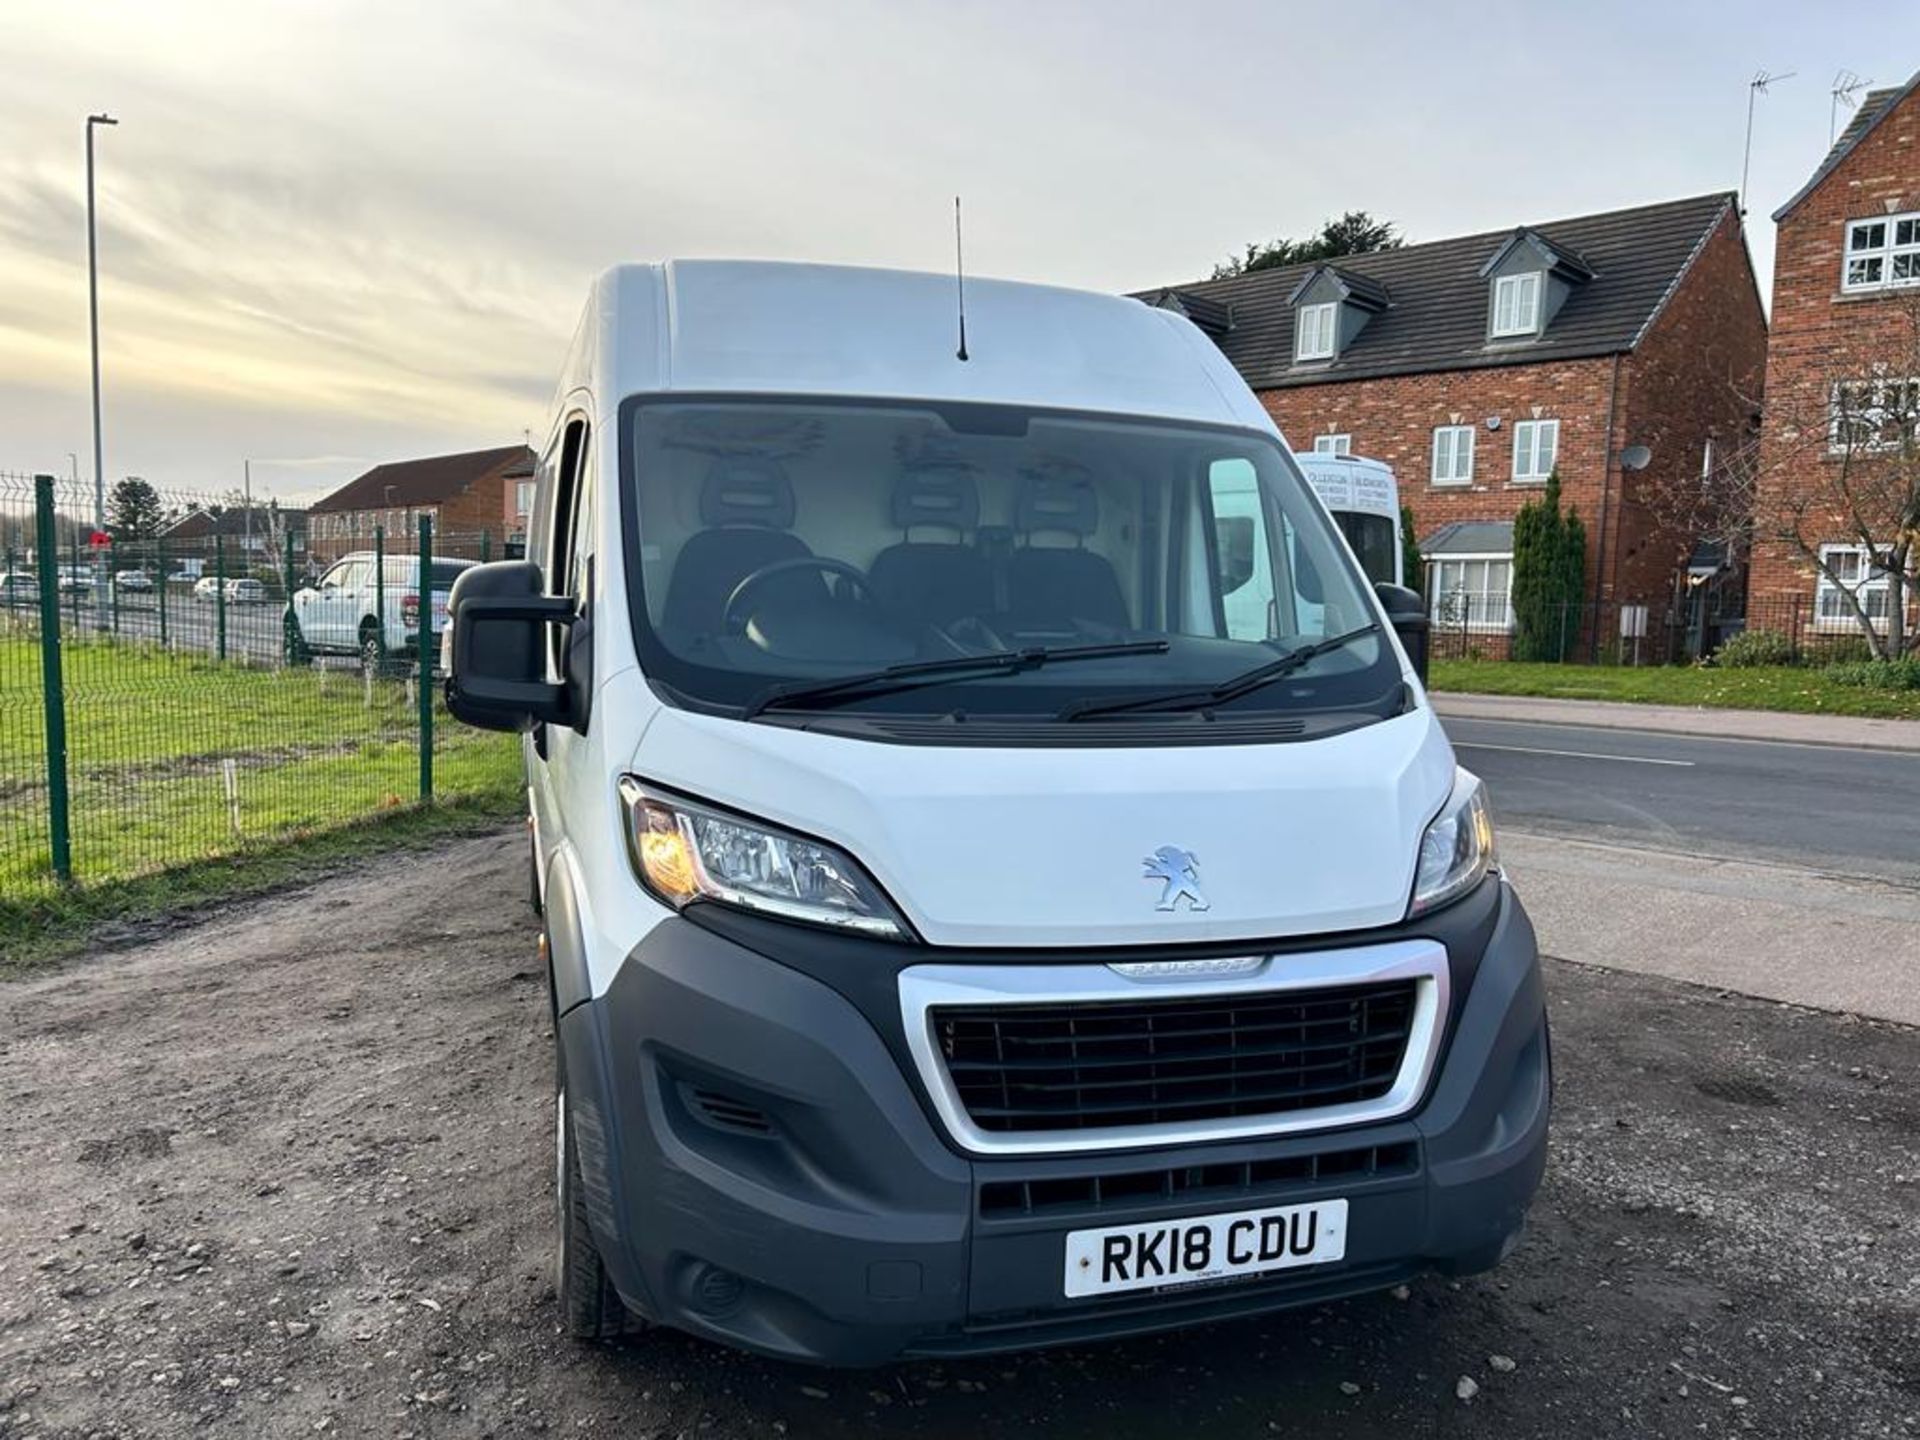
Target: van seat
747,505
1049,586
925,582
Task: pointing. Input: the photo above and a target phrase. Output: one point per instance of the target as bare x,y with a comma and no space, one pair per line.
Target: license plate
1205,1247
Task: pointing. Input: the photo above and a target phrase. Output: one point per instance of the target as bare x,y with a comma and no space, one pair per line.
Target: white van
966,931
1364,499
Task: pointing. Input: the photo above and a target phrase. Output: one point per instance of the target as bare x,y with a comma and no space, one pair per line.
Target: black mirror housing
497,620
1407,613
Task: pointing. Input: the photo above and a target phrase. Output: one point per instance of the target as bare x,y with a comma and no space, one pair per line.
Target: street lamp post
93,325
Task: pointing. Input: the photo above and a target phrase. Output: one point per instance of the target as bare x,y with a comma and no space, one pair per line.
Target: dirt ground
287,1173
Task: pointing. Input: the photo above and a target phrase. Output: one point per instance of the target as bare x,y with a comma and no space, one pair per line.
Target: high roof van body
983,909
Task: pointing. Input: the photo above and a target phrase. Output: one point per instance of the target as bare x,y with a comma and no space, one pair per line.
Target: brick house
248,541
1846,299
462,494
1476,366
516,507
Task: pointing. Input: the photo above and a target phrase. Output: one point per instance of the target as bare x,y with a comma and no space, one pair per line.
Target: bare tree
1835,480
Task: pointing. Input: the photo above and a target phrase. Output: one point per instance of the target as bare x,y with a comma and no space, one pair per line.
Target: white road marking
1572,754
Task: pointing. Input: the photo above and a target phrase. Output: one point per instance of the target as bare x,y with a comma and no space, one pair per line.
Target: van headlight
1457,849
683,851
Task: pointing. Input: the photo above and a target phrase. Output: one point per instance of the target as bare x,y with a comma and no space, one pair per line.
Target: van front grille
1100,1064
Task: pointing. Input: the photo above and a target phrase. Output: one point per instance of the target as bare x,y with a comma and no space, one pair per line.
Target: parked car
19,587
245,590
76,577
132,580
965,929
206,589
341,613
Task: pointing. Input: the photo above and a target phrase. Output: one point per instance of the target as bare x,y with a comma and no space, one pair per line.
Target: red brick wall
1394,419
1820,333
1696,375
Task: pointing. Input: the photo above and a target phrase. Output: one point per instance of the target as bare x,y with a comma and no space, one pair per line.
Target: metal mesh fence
213,692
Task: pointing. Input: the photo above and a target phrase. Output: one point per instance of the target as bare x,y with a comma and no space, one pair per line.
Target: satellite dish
1635,457
1493,422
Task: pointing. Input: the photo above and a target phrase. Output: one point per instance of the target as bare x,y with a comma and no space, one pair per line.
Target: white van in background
983,909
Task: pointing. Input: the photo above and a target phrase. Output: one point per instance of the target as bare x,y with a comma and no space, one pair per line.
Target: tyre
590,1308
298,652
373,651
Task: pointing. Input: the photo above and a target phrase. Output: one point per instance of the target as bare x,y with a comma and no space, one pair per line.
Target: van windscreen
793,542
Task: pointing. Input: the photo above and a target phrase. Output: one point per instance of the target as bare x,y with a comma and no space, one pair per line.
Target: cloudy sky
338,231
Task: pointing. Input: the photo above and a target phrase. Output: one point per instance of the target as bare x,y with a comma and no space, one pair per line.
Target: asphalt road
1844,811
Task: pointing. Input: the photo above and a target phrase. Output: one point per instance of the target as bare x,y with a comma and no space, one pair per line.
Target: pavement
1844,730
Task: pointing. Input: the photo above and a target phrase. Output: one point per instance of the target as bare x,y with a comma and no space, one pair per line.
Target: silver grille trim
925,988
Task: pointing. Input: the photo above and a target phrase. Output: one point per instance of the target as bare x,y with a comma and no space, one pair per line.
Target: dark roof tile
427,481
1438,316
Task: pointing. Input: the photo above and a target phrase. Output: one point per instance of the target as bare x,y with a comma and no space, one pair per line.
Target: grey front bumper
761,1169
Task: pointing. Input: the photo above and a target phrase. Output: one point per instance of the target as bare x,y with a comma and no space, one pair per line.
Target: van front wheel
590,1308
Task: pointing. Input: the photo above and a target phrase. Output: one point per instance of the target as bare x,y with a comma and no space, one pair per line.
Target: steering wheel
732,617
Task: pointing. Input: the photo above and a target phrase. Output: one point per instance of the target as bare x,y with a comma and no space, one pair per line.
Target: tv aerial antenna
1756,87
1846,85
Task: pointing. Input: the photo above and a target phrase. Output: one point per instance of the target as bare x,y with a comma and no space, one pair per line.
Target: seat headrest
937,495
1059,499
745,490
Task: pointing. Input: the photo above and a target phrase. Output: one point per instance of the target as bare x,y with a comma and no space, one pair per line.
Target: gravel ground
286,1173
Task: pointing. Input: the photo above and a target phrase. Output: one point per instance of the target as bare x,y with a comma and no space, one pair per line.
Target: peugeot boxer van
975,918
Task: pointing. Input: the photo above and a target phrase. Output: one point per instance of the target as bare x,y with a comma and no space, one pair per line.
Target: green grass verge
45,927
1803,690
176,760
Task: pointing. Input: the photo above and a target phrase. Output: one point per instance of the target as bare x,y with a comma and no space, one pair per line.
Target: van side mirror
1407,613
497,619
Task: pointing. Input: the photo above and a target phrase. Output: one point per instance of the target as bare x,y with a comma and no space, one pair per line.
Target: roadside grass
1801,689
180,765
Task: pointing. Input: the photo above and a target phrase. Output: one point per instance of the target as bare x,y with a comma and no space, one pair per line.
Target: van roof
765,327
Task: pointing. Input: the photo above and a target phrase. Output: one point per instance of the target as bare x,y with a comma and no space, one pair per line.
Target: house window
1852,573
1470,591
1881,252
1453,455
1873,415
1536,444
1333,444
1315,338
1516,304
523,499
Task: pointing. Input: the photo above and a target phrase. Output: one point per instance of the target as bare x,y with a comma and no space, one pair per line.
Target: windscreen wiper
810,693
1227,690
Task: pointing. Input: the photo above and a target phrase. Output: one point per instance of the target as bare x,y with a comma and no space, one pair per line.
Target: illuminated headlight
1457,849
685,852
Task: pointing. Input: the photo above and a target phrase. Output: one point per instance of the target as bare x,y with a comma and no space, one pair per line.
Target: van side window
1242,575
563,524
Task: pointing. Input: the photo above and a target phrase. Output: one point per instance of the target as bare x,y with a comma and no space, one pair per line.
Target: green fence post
161,550
73,566
290,627
380,584
53,690
220,593
486,546
113,581
423,587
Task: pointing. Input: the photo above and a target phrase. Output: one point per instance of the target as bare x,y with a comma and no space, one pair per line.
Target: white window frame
523,496
1445,615
1333,444
1316,329
1870,413
1453,473
1873,587
1509,293
1875,247
1530,449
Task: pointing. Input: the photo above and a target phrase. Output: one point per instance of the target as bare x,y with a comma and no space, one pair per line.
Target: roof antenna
1845,86
959,280
1756,86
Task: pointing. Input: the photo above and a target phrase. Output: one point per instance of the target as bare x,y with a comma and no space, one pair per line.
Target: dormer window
1316,331
1516,304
